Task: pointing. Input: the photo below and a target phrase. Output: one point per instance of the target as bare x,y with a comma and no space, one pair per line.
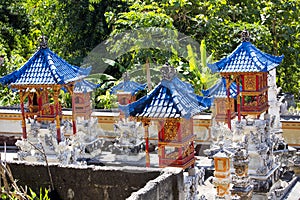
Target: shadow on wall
93,182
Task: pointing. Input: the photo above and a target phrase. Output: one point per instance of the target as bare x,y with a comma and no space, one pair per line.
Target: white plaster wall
10,126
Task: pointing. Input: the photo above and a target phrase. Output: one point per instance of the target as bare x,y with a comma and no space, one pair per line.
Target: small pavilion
127,89
218,93
172,104
81,99
248,66
39,81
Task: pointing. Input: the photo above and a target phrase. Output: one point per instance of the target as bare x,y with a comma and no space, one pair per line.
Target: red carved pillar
228,101
73,111
161,138
146,126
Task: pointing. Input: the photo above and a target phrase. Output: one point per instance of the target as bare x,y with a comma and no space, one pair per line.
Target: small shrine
81,99
222,175
252,141
218,93
241,182
126,90
247,66
40,80
172,104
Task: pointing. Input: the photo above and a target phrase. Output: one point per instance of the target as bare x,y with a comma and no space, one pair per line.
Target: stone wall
168,186
94,182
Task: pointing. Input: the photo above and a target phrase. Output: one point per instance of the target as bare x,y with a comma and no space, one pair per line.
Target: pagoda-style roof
128,86
219,90
84,86
246,58
45,68
171,98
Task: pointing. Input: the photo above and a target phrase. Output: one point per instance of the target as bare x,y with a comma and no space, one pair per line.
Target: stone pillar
274,104
222,175
296,160
241,180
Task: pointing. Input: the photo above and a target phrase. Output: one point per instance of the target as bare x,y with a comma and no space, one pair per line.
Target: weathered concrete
94,182
168,186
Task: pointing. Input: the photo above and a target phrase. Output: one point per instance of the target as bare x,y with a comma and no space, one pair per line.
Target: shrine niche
241,181
171,104
218,93
247,66
222,175
254,96
126,90
81,99
39,81
175,143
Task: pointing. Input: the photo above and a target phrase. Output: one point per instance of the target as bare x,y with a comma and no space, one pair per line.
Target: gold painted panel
250,82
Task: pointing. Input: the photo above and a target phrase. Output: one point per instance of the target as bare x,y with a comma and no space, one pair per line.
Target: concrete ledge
169,185
84,182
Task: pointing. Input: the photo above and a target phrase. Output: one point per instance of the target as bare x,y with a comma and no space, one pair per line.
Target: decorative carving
262,100
43,42
126,76
245,35
250,82
174,155
168,72
188,150
171,129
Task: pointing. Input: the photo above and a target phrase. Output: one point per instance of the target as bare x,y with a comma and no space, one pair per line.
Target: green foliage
13,195
139,46
8,98
106,101
274,28
41,196
15,27
102,99
65,99
199,75
75,27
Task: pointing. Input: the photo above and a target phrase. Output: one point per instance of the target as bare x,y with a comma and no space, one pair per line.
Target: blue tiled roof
219,89
128,86
45,68
170,99
84,86
246,58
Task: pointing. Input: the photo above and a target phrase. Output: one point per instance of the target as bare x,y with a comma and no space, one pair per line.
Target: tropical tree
75,28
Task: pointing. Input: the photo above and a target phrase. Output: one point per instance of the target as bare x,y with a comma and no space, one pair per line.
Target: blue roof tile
170,99
219,90
45,68
246,58
84,86
128,86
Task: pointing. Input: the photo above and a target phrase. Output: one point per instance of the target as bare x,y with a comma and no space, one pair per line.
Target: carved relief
250,82
171,129
174,155
188,150
186,128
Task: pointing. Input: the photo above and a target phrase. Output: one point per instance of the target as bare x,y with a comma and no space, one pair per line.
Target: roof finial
245,35
43,42
168,72
126,76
